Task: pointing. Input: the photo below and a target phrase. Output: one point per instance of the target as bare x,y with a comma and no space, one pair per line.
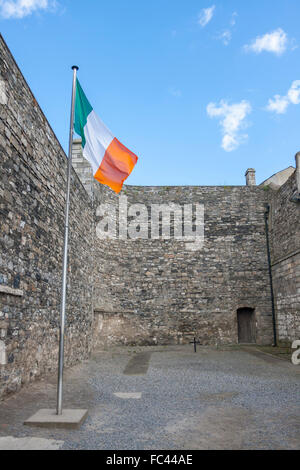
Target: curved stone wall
157,291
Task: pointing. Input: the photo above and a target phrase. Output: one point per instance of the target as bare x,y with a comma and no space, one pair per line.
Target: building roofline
277,172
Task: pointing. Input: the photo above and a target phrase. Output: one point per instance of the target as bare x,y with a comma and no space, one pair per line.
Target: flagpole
65,256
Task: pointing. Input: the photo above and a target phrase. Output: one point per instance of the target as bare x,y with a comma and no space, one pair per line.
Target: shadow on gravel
138,364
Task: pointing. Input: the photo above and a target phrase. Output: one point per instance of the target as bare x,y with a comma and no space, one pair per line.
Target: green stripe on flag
82,110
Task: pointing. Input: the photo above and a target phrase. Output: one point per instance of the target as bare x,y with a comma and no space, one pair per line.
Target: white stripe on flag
98,138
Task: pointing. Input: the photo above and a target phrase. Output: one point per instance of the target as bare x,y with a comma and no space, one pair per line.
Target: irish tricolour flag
111,162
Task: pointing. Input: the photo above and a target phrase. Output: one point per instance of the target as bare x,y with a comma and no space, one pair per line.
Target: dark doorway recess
246,325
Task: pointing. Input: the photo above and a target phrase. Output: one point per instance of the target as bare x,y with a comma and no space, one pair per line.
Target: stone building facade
124,290
285,250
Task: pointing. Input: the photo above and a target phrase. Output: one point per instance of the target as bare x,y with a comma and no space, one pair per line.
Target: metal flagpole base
69,419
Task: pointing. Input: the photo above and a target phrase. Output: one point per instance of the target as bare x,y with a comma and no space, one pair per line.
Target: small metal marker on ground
195,342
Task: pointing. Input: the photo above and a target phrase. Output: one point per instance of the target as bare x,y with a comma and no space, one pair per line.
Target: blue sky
199,90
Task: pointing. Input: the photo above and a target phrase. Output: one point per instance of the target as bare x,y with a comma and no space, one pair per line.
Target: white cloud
279,104
225,37
275,42
21,8
175,92
294,44
206,15
294,92
233,18
233,121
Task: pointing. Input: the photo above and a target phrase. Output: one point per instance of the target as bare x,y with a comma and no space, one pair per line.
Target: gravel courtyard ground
166,397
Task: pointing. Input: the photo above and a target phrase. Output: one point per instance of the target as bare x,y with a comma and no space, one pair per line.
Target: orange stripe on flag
117,164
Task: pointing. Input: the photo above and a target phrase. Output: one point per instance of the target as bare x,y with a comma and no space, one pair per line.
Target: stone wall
82,167
285,249
157,291
32,201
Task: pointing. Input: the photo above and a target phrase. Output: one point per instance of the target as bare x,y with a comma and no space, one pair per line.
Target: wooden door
246,325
